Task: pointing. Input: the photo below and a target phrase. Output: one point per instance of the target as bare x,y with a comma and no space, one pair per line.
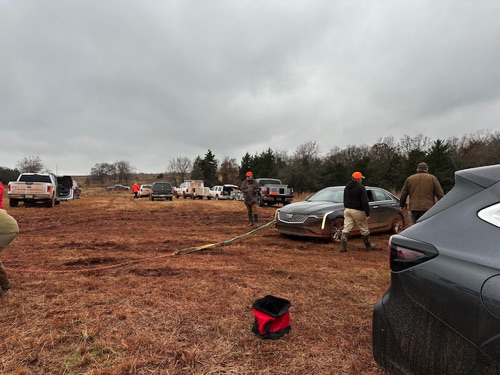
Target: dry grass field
99,287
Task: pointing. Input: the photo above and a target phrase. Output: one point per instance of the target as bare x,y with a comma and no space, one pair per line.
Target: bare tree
229,171
30,164
179,167
102,171
419,142
124,171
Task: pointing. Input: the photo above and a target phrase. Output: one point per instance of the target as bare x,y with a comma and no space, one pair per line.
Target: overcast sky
86,82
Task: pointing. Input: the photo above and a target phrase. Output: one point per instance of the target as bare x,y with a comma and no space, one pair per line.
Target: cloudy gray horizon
86,82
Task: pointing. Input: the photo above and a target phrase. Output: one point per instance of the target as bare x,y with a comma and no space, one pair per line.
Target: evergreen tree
246,165
440,164
197,171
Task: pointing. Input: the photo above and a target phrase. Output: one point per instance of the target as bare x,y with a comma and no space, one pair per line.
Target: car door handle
374,206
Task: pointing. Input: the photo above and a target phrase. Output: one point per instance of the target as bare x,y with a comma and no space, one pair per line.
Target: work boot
4,289
368,244
250,220
4,280
256,220
343,242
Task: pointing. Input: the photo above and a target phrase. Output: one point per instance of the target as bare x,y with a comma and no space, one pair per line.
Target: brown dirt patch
142,310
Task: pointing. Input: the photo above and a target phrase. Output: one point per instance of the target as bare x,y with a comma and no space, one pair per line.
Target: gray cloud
84,82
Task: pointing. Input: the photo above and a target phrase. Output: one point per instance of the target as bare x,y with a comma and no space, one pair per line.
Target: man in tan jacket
424,191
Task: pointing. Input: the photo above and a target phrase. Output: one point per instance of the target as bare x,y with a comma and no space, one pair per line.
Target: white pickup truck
40,187
194,189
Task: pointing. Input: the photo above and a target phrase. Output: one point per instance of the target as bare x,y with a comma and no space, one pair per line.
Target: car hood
311,208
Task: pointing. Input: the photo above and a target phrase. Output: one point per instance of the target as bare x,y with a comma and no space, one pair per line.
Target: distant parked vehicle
237,195
144,191
161,190
272,192
194,189
33,188
77,191
65,191
118,187
222,191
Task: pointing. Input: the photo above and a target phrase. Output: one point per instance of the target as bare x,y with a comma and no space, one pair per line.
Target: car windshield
335,195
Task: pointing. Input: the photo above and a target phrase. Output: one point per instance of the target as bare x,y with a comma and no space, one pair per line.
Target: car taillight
264,191
405,253
187,190
49,189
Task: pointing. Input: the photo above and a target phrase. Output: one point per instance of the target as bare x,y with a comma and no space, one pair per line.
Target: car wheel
336,229
13,202
398,224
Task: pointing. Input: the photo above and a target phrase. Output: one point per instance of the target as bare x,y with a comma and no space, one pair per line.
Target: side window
370,196
379,196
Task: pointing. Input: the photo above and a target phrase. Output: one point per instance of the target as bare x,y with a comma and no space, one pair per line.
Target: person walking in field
8,231
135,190
423,189
251,191
356,211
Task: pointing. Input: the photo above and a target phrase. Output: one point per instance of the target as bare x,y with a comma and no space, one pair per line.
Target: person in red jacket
135,190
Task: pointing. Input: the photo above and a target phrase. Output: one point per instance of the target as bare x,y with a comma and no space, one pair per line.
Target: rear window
34,178
269,181
162,186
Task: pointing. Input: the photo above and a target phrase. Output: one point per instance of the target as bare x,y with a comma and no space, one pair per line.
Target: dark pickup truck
272,191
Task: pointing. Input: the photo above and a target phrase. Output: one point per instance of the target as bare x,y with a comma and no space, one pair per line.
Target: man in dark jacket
356,211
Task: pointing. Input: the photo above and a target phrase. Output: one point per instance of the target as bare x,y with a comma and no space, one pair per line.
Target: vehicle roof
482,176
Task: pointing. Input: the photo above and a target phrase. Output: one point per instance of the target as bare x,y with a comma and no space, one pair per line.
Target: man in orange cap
251,191
356,211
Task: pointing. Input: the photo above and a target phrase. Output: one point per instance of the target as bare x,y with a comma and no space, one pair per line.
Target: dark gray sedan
322,214
441,314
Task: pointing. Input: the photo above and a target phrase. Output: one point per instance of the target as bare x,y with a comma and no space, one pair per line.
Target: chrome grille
292,218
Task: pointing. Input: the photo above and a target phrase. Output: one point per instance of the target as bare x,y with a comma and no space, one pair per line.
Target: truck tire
51,203
13,202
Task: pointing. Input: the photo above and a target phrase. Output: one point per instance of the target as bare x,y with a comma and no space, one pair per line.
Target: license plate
29,196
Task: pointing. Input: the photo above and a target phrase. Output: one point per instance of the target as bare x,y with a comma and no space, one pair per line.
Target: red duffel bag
272,318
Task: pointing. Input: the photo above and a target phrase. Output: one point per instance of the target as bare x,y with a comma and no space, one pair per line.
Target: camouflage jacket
251,191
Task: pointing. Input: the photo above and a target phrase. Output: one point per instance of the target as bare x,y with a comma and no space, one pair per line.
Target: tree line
387,163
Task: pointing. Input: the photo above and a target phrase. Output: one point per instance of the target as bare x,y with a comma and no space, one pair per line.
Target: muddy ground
97,288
